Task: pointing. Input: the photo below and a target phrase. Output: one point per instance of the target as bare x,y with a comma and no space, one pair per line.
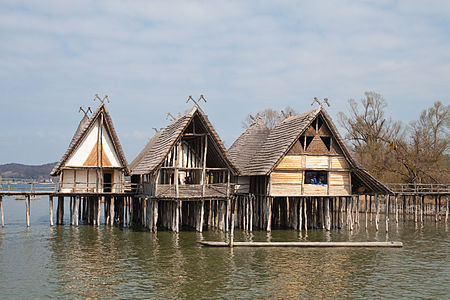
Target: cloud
149,56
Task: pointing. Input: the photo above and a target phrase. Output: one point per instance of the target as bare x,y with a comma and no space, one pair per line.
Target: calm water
104,262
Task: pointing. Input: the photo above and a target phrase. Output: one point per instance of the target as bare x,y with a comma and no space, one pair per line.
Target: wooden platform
303,244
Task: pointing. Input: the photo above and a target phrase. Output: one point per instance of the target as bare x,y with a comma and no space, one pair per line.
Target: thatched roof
259,150
159,146
250,142
83,128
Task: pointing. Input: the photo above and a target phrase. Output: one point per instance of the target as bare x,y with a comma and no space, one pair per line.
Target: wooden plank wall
287,178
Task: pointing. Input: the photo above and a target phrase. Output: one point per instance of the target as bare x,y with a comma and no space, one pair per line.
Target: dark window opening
302,142
319,123
107,182
316,177
327,141
309,139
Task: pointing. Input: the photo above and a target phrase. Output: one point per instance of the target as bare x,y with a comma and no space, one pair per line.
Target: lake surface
105,262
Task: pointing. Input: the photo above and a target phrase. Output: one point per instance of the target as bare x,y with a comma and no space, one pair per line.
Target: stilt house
304,155
94,161
186,159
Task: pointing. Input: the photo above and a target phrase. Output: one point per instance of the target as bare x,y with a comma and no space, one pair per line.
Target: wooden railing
30,186
405,188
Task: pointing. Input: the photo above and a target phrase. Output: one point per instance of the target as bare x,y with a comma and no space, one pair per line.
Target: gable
316,139
93,151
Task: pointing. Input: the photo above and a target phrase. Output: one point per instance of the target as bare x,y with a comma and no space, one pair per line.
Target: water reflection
108,262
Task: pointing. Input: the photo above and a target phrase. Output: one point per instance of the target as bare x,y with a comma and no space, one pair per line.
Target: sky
243,56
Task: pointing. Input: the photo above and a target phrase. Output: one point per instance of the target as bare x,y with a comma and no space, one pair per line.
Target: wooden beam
205,152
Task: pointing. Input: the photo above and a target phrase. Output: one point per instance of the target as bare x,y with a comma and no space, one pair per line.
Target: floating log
302,244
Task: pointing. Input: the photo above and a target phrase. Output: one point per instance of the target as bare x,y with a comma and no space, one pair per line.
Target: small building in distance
94,161
185,167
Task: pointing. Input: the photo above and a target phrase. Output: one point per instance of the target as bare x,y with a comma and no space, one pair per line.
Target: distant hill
26,171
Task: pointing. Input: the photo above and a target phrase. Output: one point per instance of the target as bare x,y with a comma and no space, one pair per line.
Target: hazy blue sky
244,56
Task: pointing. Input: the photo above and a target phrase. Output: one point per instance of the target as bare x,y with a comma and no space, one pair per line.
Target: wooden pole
71,211
60,211
202,212
111,211
1,211
205,152
232,223
300,214
155,215
415,209
377,208
99,205
177,217
365,208
27,204
77,199
305,214
422,204
269,215
386,217
327,214
446,209
50,206
251,212
436,208
396,209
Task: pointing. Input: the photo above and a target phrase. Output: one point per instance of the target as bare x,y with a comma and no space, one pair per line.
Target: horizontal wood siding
339,183
339,162
291,162
280,190
317,162
315,190
286,178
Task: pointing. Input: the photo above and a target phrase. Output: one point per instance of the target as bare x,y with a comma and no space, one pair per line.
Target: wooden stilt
232,223
377,208
27,204
1,211
436,208
50,207
60,211
269,214
71,203
77,199
387,197
300,214
396,209
365,209
111,211
446,209
99,205
357,210
251,213
328,214
202,212
305,214
177,216
155,215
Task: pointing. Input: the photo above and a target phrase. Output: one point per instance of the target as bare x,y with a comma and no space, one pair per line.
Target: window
316,177
327,141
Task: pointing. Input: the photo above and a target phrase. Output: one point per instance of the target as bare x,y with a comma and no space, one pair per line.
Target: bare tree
425,156
371,133
270,117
